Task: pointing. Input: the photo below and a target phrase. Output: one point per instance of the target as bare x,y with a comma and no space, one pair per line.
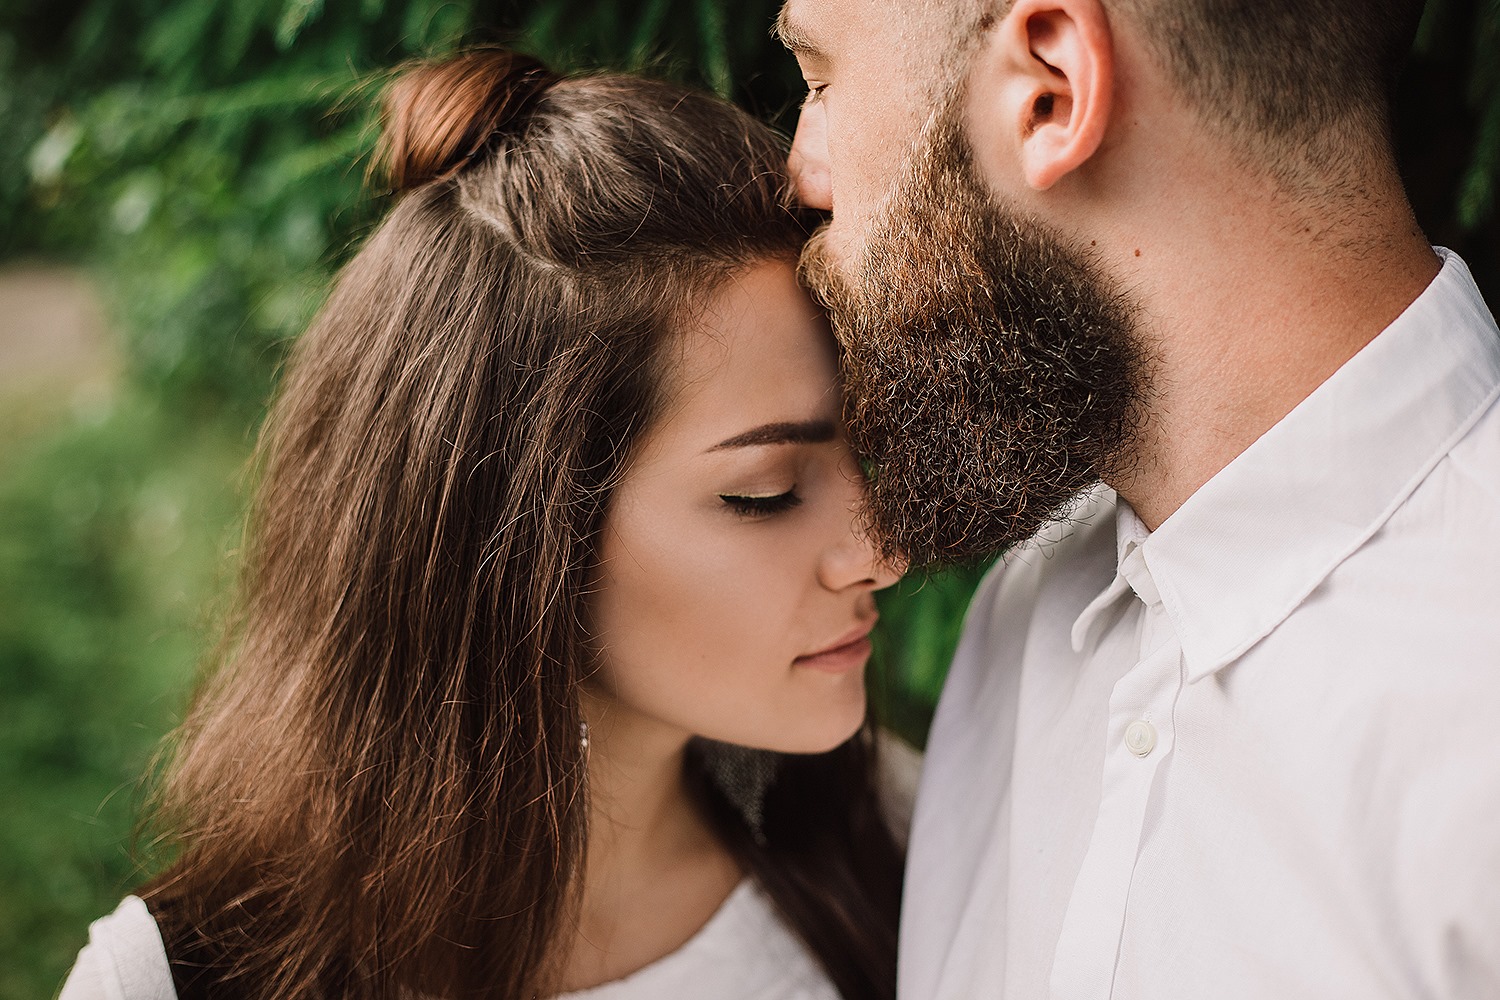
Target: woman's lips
849,652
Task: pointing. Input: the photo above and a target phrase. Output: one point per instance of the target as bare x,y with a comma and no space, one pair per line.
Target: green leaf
1484,74
540,33
428,24
297,15
714,37
1476,200
339,152
241,18
648,27
258,96
180,37
1431,27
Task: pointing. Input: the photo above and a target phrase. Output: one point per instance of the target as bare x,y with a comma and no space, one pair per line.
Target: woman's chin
831,729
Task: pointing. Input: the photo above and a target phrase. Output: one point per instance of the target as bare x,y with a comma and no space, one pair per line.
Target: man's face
863,110
993,372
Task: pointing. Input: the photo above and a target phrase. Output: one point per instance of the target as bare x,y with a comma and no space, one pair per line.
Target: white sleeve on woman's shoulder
124,959
898,768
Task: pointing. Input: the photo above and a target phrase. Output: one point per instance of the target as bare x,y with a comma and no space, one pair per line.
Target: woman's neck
655,872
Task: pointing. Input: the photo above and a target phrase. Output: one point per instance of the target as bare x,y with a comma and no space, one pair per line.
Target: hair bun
439,115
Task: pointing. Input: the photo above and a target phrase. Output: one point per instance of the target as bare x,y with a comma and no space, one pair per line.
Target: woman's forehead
760,351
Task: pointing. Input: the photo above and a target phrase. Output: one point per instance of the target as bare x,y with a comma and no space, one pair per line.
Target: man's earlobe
1044,87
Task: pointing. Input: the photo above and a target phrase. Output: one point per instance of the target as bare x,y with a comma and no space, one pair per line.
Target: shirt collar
1249,546
1130,534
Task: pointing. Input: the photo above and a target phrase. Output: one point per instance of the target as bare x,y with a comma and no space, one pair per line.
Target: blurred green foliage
205,158
208,156
114,531
1448,132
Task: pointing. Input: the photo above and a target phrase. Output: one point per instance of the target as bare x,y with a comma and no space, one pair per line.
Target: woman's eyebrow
802,432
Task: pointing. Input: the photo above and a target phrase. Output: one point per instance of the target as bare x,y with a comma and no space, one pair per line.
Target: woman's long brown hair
380,791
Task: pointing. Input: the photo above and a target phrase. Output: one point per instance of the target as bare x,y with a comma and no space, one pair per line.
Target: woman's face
736,592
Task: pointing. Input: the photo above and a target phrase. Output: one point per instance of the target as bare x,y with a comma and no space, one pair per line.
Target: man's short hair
1298,86
1297,79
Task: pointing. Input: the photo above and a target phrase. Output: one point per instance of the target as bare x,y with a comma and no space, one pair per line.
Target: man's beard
992,376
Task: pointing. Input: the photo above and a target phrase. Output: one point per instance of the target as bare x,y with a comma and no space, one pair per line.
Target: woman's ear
1041,89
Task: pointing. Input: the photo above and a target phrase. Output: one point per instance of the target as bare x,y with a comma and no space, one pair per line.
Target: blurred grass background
201,161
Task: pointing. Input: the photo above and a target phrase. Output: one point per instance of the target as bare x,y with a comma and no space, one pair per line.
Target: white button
1140,738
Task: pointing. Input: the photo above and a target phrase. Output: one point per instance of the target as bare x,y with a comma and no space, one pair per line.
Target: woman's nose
808,161
857,560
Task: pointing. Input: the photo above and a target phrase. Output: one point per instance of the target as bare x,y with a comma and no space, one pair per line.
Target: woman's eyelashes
763,505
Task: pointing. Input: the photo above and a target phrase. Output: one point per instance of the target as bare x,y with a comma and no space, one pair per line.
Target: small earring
583,737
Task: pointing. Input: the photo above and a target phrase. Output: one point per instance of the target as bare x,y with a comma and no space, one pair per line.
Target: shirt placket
1139,737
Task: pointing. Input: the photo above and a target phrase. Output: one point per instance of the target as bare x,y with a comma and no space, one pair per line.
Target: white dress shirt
1255,753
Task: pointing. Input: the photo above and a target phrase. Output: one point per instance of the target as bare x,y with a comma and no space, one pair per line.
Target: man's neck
1247,306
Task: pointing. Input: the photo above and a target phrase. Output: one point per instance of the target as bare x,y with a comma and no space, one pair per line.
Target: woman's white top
124,959
744,952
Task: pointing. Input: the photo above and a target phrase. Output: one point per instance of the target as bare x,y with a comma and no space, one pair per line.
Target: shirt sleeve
123,960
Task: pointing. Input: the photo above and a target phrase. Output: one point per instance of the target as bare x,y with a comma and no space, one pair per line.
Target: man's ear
1042,86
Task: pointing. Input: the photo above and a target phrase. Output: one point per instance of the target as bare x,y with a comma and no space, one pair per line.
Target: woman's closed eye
763,505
